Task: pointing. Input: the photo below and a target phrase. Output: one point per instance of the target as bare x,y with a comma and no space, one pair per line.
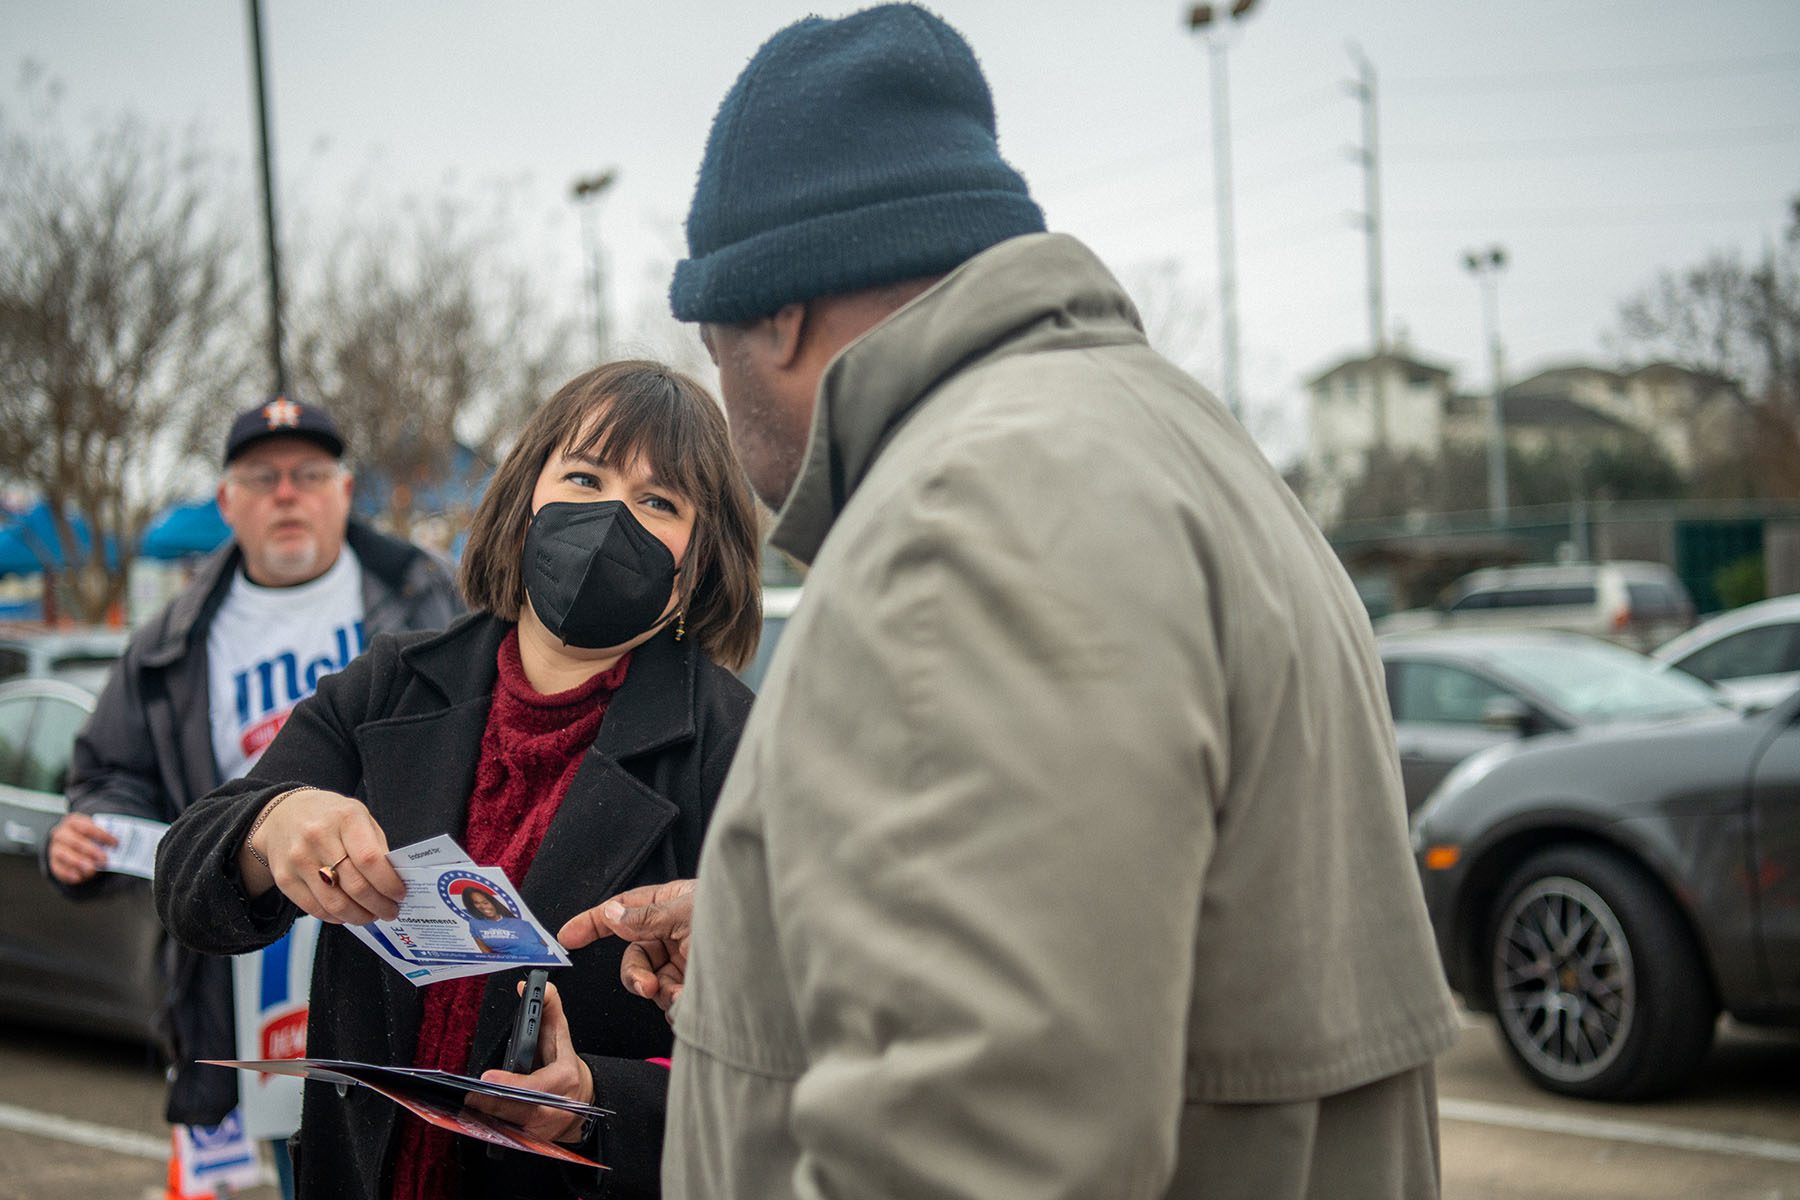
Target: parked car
35,652
779,604
1638,604
1752,654
1607,893
1455,694
89,966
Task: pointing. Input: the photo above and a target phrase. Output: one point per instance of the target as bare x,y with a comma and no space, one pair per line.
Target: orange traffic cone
172,1187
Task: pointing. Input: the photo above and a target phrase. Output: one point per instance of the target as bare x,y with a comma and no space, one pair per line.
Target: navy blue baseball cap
281,417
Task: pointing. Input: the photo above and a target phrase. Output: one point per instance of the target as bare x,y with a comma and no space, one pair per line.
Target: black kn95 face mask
596,577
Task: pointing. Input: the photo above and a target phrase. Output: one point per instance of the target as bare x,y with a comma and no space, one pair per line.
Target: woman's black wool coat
401,728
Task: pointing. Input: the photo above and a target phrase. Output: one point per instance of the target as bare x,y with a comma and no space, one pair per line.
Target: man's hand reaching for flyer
657,920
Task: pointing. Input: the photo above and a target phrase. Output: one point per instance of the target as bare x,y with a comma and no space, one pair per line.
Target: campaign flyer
138,837
457,919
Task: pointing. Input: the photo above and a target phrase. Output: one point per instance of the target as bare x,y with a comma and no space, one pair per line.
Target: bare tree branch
120,333
1728,318
418,333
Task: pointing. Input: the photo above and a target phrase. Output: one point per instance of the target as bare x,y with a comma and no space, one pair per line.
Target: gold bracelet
262,816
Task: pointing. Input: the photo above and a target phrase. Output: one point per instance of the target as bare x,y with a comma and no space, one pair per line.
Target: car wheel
1598,985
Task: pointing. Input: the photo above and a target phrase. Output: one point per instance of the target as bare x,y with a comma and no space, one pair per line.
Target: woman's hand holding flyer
457,919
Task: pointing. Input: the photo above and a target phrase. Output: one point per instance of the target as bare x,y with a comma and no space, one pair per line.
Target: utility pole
1363,88
1486,266
268,191
1206,18
587,192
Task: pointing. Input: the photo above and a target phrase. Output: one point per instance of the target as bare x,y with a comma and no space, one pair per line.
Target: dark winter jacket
147,751
401,729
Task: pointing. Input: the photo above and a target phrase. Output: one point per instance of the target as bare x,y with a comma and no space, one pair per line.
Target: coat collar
461,662
652,709
1028,294
194,608
382,558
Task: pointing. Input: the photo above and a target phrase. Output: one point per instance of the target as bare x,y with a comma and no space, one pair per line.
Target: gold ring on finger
329,874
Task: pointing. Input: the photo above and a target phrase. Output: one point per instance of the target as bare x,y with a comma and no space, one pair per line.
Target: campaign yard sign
270,988
217,1159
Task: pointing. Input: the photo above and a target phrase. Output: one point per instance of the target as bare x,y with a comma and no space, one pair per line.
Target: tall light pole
268,191
1486,265
1369,155
1207,19
587,192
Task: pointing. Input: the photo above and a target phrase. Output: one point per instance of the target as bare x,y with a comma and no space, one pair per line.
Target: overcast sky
1597,142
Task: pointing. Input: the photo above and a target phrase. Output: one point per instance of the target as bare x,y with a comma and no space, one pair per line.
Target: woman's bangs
649,421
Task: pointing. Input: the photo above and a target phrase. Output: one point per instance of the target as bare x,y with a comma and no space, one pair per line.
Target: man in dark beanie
1065,853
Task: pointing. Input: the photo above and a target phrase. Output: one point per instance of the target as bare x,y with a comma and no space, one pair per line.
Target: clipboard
434,1096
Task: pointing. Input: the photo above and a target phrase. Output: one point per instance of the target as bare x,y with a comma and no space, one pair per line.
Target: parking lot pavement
1733,1135
83,1118
36,1169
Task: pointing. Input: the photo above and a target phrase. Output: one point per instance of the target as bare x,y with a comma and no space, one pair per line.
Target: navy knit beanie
849,154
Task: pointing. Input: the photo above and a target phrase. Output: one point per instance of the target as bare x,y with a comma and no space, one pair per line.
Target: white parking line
83,1133
1479,1112
1674,1137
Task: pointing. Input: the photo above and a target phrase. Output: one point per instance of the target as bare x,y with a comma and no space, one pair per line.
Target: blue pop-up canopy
29,543
16,557
195,528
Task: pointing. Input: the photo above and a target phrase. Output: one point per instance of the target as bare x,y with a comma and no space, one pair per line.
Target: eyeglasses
307,477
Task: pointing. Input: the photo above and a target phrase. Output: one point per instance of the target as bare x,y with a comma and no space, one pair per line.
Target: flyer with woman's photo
457,919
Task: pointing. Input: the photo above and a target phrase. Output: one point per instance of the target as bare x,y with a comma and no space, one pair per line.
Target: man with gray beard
206,683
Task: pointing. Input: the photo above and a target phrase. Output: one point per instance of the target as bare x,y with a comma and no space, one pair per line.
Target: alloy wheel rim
1564,984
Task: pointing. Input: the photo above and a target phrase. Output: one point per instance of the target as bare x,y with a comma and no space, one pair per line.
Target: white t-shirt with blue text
267,650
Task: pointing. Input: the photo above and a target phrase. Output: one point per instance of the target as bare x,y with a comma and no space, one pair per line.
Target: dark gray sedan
1454,694
90,966
1607,893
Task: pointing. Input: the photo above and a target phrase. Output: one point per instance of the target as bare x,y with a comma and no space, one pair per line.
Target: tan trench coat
1065,852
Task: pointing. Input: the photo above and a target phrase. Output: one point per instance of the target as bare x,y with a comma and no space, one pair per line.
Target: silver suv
1637,604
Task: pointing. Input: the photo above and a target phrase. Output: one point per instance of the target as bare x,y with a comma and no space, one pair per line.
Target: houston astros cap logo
282,412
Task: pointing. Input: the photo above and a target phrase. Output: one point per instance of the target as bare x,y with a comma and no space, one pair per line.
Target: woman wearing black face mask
574,730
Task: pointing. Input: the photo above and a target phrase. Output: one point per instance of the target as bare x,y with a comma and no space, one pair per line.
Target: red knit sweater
529,752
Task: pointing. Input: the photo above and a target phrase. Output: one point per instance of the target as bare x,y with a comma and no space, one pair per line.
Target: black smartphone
521,1049
528,1018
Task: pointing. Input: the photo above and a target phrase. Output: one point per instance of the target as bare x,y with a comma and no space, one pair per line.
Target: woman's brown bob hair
614,414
